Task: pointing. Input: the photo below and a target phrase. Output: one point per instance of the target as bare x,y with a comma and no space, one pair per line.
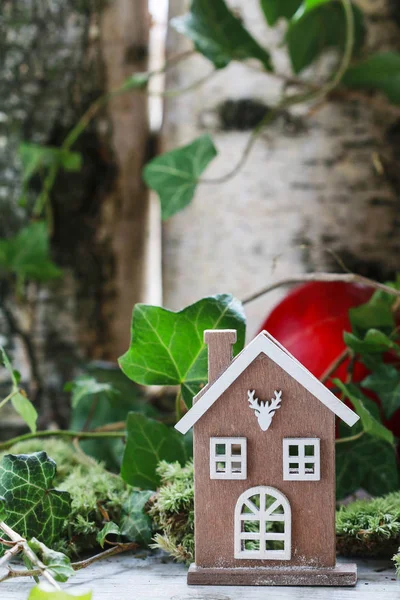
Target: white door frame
263,515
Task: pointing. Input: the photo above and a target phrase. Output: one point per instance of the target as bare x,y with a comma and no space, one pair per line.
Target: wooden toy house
264,460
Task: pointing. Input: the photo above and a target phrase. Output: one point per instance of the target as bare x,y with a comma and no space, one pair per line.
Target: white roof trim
276,352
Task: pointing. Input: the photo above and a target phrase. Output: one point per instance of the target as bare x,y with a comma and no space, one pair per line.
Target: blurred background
318,192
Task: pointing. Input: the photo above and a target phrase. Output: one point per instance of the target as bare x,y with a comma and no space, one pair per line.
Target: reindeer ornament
264,411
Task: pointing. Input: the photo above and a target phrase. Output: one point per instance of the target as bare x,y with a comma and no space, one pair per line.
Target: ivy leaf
57,563
375,314
88,386
319,27
34,508
378,72
109,528
374,342
44,592
174,175
366,463
136,525
219,35
35,157
25,409
147,443
27,255
370,424
385,381
275,9
167,347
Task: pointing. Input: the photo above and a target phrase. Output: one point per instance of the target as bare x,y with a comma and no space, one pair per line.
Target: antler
275,402
253,402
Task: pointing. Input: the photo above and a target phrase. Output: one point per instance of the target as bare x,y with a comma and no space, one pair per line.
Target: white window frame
228,458
263,516
301,459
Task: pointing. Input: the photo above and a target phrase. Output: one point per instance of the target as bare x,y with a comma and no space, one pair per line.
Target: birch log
315,186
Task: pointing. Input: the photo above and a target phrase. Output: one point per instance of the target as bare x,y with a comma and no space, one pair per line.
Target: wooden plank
128,577
339,576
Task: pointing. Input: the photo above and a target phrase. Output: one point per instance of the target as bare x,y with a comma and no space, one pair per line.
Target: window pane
251,526
309,468
293,468
275,527
236,449
309,450
293,450
274,545
236,467
220,449
250,545
221,467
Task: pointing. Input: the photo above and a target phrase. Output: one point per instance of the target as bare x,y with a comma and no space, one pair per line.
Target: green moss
172,510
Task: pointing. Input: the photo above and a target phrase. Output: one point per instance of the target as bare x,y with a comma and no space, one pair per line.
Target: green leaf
375,314
174,175
136,81
35,157
136,525
275,9
3,509
44,592
86,385
378,72
57,563
147,443
26,410
319,27
370,424
27,255
219,35
385,381
366,463
167,347
34,508
109,528
374,342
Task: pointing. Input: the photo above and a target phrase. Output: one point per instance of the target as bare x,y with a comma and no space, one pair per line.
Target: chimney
220,343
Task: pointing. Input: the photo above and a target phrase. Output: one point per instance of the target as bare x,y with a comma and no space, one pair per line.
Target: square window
228,458
301,459
274,545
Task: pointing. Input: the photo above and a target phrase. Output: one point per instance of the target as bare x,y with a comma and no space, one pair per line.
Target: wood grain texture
340,575
312,502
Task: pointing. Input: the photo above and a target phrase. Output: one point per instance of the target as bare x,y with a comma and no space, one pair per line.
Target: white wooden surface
130,578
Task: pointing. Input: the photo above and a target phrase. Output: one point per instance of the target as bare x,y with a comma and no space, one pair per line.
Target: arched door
263,525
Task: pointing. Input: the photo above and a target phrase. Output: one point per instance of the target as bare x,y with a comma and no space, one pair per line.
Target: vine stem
324,277
9,397
62,433
335,364
21,545
350,438
77,566
310,95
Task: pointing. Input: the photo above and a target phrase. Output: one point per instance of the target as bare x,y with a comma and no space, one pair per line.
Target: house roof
264,343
